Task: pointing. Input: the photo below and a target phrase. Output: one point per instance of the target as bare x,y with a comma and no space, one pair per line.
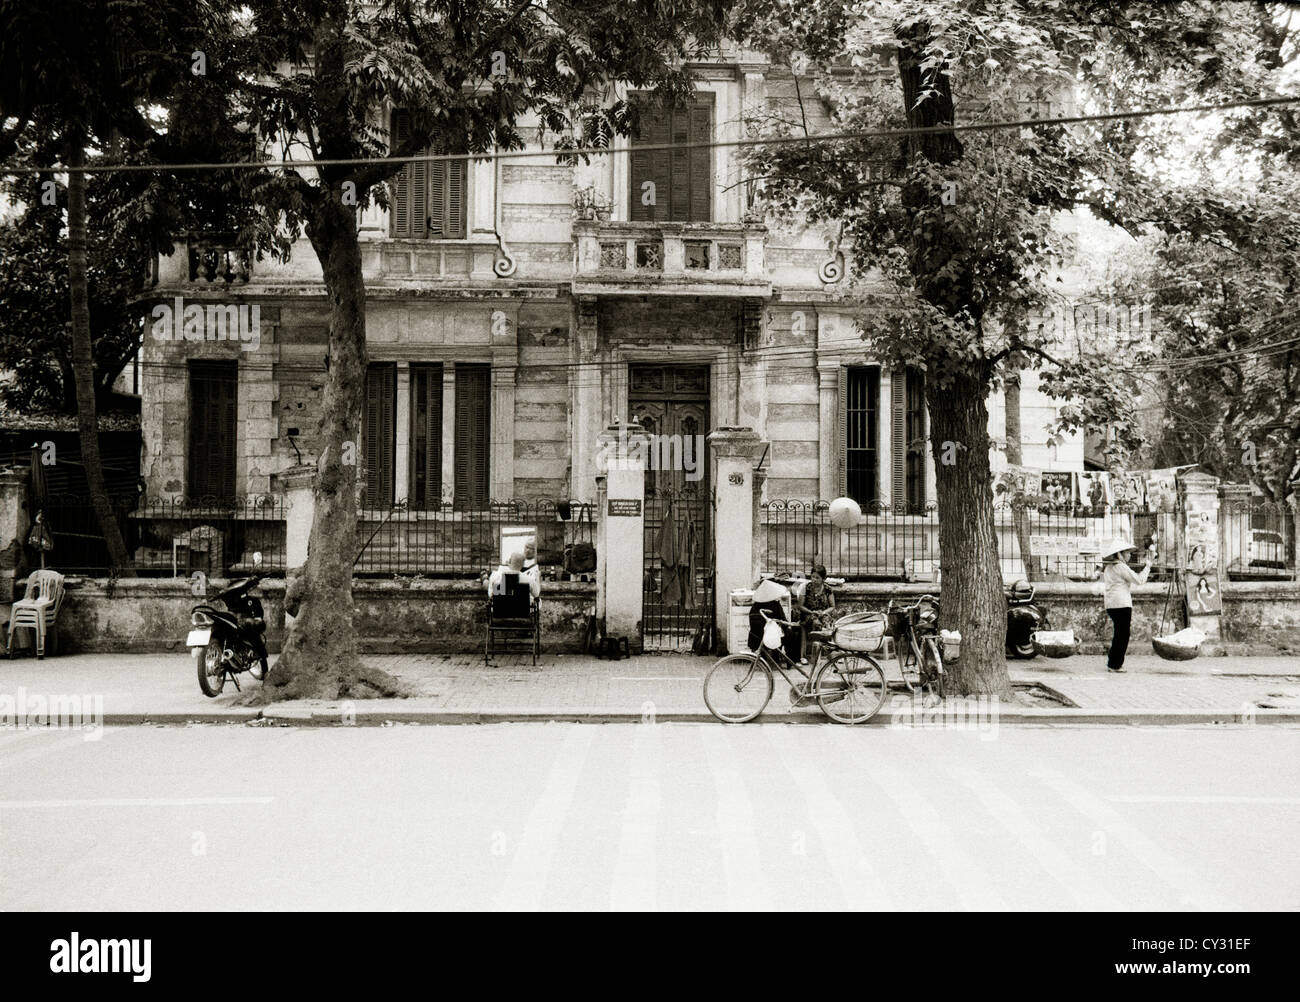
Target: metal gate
671,403
677,594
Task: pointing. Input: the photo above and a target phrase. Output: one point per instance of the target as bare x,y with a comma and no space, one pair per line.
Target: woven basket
1174,652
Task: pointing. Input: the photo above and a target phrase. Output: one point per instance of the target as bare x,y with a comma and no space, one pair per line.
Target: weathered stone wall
423,616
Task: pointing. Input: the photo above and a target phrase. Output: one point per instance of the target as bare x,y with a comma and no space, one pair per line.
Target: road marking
1157,798
633,887
963,874
531,864
859,880
1083,887
747,887
137,802
1151,855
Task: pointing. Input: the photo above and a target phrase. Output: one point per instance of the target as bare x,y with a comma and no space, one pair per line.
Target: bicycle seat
820,636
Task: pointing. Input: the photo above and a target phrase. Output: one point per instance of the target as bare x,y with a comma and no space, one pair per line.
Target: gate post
621,549
1200,526
734,452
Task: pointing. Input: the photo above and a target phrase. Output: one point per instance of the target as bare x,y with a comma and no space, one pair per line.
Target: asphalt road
650,816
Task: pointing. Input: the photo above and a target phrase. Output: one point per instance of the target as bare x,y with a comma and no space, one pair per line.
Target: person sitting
813,609
514,566
530,557
771,600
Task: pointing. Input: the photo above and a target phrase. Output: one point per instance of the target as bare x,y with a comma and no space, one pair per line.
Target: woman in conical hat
1118,578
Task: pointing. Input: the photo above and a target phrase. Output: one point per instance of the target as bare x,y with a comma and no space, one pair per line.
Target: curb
926,720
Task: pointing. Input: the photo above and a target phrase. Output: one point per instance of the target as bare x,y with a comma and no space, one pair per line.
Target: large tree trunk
971,597
320,657
1016,457
83,360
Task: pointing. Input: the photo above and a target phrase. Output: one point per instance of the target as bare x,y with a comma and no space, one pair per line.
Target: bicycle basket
863,631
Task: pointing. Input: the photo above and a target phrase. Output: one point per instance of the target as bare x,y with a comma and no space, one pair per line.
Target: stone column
584,394
502,452
402,445
449,433
623,529
602,523
734,452
1234,525
14,525
830,451
759,531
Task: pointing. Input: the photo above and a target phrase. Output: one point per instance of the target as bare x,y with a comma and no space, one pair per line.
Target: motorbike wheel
1023,651
212,673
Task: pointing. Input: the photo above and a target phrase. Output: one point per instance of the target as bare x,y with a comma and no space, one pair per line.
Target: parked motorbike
231,639
1024,617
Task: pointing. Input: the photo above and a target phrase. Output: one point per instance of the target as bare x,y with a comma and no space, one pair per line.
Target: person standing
1117,578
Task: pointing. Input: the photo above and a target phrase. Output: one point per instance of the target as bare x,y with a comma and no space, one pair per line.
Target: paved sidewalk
162,688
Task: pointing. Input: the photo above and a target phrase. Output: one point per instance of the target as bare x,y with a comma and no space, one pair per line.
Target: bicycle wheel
854,688
932,668
737,688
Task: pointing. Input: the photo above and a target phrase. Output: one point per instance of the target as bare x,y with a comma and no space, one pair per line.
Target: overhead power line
1115,116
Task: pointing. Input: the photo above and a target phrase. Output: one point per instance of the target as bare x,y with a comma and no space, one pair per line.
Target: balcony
697,259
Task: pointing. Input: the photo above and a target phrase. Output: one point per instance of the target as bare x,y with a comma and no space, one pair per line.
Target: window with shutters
378,435
858,416
682,179
213,432
429,197
473,435
426,437
909,431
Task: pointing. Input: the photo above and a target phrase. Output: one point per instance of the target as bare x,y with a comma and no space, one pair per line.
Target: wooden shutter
473,430
410,207
426,437
378,434
213,430
898,439
916,432
700,208
653,165
453,203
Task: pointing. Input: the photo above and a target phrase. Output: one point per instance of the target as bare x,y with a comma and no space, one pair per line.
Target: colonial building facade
517,307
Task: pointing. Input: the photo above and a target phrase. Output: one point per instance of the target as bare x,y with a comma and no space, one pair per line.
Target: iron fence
1061,542
163,537
446,542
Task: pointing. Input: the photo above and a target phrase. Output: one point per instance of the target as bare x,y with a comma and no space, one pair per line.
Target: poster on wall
1015,483
1203,597
1057,490
1128,491
1162,490
1094,493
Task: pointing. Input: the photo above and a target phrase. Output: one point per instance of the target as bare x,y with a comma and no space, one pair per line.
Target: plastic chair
38,609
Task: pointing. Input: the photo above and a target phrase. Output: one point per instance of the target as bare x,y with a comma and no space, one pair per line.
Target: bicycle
848,686
920,629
